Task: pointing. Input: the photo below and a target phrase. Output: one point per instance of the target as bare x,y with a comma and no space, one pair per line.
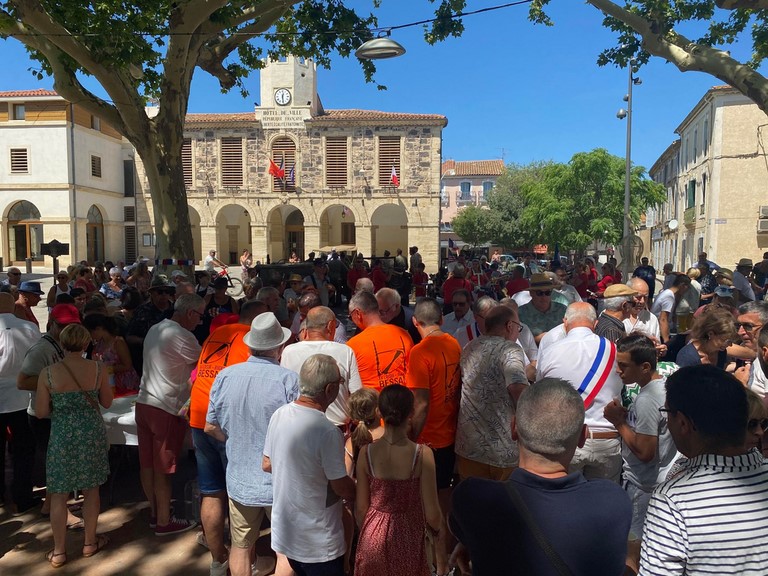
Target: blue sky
510,89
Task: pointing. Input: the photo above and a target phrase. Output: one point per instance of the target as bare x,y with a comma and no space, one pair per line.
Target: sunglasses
542,292
748,326
754,423
14,273
166,292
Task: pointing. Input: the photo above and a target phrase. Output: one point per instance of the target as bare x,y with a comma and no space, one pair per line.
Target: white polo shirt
571,359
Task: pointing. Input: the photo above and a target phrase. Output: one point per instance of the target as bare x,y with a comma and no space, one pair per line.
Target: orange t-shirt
434,365
224,347
382,355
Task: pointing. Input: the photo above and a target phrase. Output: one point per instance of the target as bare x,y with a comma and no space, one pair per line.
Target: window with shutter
19,161
186,162
336,161
231,163
96,166
284,156
389,157
129,214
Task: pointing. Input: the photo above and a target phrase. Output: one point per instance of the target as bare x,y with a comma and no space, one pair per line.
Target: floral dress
78,448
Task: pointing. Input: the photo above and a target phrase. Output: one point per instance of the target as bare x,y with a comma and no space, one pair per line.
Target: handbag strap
90,400
560,566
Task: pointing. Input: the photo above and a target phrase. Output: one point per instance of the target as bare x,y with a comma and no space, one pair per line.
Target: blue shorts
211,458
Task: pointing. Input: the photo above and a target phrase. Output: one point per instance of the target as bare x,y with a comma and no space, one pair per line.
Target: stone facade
715,176
307,210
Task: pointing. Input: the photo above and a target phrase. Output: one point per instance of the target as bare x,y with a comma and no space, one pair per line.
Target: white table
120,421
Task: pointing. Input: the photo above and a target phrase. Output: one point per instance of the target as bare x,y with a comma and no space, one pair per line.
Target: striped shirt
710,519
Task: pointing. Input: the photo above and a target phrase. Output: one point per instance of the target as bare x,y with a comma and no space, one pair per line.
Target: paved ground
133,550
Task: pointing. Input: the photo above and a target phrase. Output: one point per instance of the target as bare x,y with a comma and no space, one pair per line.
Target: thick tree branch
739,4
689,56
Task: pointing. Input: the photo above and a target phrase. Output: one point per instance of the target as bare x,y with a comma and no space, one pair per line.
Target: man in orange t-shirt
224,347
381,350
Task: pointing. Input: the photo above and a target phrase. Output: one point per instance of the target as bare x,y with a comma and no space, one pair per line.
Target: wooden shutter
284,153
96,166
19,160
336,161
129,241
129,214
186,162
389,156
231,162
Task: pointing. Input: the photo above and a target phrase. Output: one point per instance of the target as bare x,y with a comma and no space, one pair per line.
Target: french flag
598,373
394,180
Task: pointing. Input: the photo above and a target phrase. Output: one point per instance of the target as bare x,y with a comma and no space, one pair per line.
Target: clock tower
289,83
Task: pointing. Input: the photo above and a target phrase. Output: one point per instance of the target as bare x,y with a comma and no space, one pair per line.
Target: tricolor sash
598,373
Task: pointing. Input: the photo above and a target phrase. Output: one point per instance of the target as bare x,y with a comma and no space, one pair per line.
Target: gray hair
365,302
316,373
636,282
756,307
389,295
549,417
586,313
184,288
309,300
266,292
364,285
614,304
428,312
188,302
483,304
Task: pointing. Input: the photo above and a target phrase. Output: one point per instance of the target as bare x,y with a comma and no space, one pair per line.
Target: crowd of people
529,419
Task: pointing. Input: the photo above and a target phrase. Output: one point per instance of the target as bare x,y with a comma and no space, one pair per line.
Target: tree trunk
161,155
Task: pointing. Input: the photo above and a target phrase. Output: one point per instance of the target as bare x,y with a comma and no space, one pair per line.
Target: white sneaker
219,568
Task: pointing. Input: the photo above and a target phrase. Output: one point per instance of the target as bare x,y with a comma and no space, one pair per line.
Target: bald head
580,315
6,303
319,317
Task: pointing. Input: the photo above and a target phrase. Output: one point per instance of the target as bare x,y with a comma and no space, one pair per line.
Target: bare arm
538,338
123,354
344,488
50,300
266,463
27,382
420,411
363,494
515,389
216,431
106,394
642,445
432,513
43,398
664,326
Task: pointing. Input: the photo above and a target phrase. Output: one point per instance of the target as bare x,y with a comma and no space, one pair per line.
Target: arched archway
389,229
285,233
94,235
197,238
233,228
25,232
337,228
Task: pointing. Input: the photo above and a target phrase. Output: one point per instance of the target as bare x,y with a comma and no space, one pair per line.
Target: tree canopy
646,28
475,225
150,49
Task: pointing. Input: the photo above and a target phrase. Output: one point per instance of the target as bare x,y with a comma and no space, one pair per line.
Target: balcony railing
465,200
689,216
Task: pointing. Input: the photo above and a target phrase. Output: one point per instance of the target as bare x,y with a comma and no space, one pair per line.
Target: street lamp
621,115
380,48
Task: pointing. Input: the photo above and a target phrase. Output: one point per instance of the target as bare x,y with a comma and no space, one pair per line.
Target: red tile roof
473,168
27,93
221,118
374,115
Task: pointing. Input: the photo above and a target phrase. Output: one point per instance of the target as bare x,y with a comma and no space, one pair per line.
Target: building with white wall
716,177
62,176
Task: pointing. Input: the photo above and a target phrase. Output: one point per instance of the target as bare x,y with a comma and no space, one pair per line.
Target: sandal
52,555
101,542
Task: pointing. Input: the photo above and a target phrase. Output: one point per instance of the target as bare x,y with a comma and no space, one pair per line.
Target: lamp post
621,115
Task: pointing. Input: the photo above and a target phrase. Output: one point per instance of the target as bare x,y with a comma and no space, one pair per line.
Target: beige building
466,183
716,177
348,179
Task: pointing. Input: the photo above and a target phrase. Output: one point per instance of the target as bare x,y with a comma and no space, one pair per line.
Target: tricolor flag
275,170
394,180
598,373
292,175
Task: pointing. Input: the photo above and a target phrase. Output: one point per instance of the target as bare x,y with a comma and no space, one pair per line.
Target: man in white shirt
588,362
319,339
664,304
466,334
461,315
16,337
171,352
211,261
741,281
304,452
752,317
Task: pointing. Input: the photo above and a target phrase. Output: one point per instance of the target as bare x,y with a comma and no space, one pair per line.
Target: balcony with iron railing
689,216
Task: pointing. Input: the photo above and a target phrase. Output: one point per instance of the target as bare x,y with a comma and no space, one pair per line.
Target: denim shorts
211,458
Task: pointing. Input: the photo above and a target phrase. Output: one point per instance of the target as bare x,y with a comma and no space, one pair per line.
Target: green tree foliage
647,28
582,201
475,225
142,49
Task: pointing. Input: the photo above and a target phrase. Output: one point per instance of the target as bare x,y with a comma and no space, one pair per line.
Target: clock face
283,96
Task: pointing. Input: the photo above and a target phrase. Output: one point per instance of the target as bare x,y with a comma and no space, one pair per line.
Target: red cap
64,314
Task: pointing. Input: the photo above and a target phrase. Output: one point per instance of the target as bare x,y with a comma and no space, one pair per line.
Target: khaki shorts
472,469
245,523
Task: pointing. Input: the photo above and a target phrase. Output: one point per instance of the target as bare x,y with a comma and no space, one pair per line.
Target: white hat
177,273
266,333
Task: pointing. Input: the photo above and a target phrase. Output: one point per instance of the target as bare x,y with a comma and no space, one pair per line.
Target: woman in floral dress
71,391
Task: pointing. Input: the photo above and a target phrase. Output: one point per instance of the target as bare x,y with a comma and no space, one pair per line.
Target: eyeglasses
754,423
200,314
14,273
516,323
387,310
748,326
166,292
542,292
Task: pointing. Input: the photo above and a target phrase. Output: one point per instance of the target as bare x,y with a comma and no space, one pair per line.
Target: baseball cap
64,314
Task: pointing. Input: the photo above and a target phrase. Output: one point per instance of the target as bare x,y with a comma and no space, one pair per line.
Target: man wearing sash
588,362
